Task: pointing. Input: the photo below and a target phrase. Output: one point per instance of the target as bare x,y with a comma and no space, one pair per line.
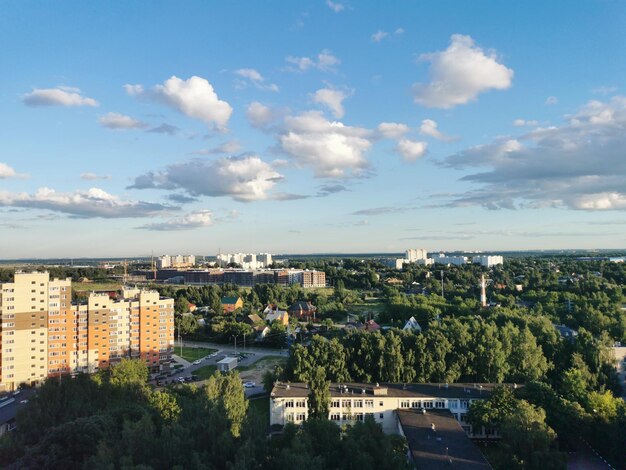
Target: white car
249,385
23,402
196,362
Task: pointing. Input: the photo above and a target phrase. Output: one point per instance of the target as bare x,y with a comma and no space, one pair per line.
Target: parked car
194,377
23,402
196,362
17,392
249,385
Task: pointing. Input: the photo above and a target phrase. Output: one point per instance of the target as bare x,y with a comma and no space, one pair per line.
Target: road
620,365
252,355
586,459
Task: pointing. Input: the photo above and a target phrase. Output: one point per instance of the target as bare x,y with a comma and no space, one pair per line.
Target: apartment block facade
43,334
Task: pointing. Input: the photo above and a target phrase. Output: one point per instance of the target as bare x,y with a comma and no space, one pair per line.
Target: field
205,372
95,286
191,354
264,364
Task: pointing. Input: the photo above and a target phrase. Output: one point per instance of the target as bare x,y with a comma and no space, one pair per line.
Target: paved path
620,366
585,458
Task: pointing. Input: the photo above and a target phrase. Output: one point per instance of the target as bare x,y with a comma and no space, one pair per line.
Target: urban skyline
313,127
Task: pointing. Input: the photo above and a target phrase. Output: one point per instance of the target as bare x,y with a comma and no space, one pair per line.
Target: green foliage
319,394
129,372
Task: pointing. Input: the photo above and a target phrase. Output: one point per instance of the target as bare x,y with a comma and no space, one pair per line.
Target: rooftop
424,390
437,441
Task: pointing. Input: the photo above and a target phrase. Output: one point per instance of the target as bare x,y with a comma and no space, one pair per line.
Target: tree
181,305
226,394
185,324
319,395
129,372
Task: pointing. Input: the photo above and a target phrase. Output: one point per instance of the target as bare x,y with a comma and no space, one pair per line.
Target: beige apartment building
43,334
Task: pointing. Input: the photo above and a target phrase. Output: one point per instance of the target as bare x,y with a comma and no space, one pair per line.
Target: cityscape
323,234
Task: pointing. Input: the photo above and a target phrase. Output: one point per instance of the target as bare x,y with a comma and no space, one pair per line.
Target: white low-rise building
488,260
448,260
352,402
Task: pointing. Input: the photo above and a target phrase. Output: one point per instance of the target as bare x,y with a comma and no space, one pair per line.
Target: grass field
191,354
205,372
95,286
262,407
264,363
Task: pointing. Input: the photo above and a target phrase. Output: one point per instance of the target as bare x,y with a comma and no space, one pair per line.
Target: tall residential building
413,254
246,260
43,334
178,261
488,260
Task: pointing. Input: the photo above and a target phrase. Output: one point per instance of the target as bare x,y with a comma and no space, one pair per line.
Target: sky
131,128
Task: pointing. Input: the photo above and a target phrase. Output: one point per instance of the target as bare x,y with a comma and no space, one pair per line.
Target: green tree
226,393
129,372
181,305
319,394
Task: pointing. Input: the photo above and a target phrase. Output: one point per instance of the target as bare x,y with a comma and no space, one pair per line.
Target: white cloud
229,148
379,35
392,130
524,122
431,129
194,97
459,74
7,172
82,204
120,121
93,176
245,179
325,61
332,99
59,96
335,6
254,77
331,149
411,150
578,165
259,115
604,90
399,31
552,100
196,219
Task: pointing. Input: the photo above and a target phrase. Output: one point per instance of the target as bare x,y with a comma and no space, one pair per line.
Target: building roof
423,390
227,360
276,315
230,300
302,305
254,318
437,441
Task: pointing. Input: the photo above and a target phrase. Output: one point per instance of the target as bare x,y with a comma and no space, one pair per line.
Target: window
369,403
358,403
428,404
381,415
289,404
334,404
404,404
453,403
416,404
358,417
346,403
440,404
464,404
300,404
289,417
335,417
300,417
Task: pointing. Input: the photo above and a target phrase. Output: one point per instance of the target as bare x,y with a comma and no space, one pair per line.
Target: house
353,326
193,307
227,364
394,281
261,332
230,304
566,332
371,326
278,315
412,325
302,310
253,319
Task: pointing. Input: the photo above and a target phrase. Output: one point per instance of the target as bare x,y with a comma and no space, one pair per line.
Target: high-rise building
178,261
245,260
488,260
44,334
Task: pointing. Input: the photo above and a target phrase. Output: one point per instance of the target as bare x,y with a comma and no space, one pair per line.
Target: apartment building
244,277
44,335
176,261
352,402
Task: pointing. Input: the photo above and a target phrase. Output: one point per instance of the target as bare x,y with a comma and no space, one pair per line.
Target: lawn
95,286
191,354
205,372
262,407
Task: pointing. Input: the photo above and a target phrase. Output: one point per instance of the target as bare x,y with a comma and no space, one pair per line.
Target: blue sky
318,126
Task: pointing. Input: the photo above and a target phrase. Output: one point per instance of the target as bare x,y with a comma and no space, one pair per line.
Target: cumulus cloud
59,96
83,204
332,99
324,61
119,121
260,115
392,130
7,172
578,165
331,149
459,74
524,122
194,97
335,6
252,76
196,219
379,35
93,177
245,178
411,150
431,129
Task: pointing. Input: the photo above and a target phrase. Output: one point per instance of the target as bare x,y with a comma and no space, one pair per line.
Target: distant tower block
483,292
